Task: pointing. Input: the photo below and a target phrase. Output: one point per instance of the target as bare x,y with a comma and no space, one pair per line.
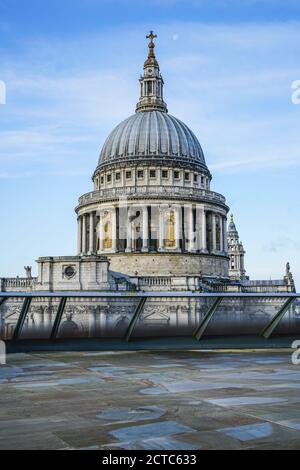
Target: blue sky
71,68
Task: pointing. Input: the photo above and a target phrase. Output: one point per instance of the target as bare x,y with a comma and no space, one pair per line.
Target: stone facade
73,273
164,264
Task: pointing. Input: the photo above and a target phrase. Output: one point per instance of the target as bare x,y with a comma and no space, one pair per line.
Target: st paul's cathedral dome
152,209
153,134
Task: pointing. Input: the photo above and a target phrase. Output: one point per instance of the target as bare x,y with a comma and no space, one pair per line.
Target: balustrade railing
155,281
17,282
150,191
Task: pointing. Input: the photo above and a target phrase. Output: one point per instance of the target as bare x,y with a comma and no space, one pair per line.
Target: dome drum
136,161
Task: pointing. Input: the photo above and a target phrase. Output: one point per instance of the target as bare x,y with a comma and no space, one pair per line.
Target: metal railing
127,314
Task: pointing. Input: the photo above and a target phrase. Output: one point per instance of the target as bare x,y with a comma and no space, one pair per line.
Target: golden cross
151,36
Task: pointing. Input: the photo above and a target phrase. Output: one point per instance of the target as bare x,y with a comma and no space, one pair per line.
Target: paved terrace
150,400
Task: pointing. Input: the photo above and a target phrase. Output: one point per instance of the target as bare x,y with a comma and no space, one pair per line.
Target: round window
69,272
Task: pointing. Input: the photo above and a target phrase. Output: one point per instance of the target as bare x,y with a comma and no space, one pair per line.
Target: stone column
204,229
101,234
213,227
79,235
225,243
114,229
198,234
221,234
242,263
177,227
84,234
191,234
161,230
145,247
129,234
91,240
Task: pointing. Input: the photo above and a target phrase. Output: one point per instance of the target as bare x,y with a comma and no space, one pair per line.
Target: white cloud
39,174
255,164
282,243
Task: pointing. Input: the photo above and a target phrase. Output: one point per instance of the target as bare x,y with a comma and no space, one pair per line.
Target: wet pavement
150,400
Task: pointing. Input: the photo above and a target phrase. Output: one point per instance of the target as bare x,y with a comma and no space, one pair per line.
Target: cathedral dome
153,135
151,209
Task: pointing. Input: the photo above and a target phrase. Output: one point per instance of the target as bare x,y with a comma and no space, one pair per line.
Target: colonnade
160,228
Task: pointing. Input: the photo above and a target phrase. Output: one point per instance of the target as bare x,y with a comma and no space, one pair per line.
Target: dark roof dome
152,135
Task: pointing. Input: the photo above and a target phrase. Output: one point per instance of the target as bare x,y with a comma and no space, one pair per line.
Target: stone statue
28,271
288,269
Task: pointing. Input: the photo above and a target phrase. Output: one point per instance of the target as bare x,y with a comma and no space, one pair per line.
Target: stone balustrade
154,281
16,283
151,191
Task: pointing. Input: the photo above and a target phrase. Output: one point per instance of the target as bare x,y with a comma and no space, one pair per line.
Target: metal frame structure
58,318
22,317
270,327
198,333
135,318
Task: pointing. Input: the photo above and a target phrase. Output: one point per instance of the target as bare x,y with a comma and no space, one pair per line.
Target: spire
151,45
151,82
236,252
232,227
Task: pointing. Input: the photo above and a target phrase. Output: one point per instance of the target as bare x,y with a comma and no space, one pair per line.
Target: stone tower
236,252
152,83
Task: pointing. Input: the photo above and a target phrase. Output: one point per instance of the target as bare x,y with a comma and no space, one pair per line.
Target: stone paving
150,400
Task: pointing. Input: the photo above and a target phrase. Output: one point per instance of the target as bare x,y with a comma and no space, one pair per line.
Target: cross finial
151,36
151,44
